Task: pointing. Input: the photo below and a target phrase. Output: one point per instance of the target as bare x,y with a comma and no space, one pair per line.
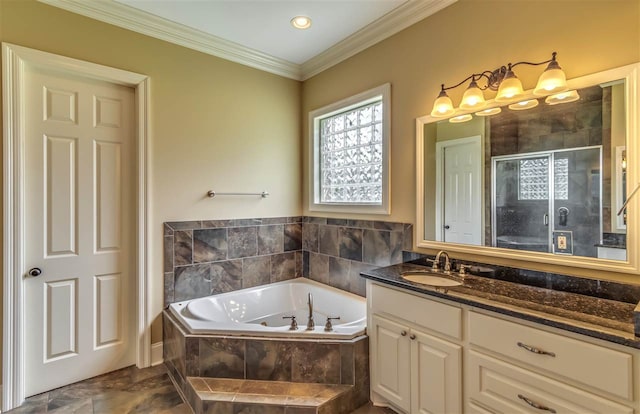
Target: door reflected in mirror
542,178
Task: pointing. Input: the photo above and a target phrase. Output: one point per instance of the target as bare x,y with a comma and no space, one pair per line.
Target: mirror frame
629,74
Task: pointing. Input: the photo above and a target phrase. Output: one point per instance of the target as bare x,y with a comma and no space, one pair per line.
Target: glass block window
533,182
350,161
351,156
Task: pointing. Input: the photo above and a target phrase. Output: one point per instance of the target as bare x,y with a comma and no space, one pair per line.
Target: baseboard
156,354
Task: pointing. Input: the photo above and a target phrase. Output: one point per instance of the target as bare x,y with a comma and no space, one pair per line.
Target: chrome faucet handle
294,324
328,327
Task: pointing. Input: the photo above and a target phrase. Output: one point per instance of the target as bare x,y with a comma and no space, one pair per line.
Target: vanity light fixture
562,97
522,105
301,22
503,80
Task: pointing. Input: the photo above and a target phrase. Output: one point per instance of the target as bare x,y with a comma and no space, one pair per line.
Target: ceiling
258,33
264,25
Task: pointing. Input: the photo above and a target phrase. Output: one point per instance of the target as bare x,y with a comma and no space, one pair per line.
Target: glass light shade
552,80
562,97
510,88
522,105
473,98
460,118
490,111
443,106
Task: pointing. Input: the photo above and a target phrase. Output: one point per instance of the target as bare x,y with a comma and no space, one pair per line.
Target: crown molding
142,22
386,26
145,23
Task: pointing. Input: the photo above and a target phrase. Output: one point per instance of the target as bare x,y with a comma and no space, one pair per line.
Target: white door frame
440,147
14,60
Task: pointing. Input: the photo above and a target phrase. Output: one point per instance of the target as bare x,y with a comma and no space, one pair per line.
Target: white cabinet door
390,357
436,376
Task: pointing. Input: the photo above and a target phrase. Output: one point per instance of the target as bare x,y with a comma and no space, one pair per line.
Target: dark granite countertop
600,318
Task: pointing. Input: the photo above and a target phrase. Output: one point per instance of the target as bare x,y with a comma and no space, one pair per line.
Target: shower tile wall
217,256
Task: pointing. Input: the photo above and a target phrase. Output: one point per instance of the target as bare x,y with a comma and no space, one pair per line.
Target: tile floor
129,390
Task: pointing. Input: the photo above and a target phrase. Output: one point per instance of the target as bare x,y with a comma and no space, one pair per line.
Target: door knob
446,227
35,272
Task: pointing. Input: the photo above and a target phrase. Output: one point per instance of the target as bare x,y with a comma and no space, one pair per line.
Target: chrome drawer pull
535,405
536,350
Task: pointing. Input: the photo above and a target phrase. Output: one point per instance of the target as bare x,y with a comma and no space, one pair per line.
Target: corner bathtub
259,311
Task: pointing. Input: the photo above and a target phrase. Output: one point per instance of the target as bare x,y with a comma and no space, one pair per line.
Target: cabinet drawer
505,388
430,314
603,368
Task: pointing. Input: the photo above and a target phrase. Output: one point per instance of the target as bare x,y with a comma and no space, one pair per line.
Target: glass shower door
549,202
521,201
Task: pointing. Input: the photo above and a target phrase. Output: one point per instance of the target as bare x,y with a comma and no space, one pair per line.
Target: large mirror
545,181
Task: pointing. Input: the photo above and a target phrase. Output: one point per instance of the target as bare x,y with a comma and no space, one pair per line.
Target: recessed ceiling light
301,22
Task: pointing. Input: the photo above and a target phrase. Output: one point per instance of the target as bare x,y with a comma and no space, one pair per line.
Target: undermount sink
428,278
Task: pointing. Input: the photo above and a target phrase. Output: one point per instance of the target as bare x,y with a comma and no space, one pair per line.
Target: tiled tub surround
600,309
218,256
295,364
337,250
202,258
206,257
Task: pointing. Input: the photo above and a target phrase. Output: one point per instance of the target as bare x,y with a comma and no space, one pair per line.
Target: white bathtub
259,311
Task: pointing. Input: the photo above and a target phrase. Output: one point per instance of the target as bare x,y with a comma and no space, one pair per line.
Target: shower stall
549,201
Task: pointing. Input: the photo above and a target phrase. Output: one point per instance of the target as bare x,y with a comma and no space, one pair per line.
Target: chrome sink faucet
310,324
447,263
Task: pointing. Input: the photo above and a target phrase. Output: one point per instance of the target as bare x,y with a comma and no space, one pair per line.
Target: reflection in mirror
537,176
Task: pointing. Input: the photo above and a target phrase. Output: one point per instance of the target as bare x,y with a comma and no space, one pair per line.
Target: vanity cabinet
412,367
425,352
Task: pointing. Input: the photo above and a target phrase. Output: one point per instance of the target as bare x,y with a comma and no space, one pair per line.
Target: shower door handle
545,219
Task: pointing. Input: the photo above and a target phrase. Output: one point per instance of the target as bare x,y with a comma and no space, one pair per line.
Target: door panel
61,199
62,323
79,218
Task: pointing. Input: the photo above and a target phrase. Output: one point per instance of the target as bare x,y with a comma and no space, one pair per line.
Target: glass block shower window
533,183
351,156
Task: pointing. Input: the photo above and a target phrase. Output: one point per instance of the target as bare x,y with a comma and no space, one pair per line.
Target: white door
462,191
80,214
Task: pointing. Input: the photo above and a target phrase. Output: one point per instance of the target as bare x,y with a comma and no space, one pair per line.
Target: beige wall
471,36
214,124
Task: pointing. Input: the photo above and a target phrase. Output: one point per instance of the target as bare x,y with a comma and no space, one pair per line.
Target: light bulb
510,88
301,22
473,97
551,80
442,107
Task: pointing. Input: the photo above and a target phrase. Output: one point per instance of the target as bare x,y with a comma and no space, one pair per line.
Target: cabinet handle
412,337
535,404
403,333
536,350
